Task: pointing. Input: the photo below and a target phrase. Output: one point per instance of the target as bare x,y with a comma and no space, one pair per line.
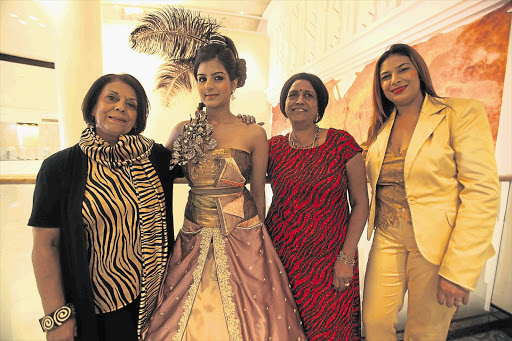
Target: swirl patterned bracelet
58,317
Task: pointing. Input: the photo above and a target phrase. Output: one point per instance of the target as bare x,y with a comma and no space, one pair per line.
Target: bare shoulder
253,130
179,126
175,132
258,138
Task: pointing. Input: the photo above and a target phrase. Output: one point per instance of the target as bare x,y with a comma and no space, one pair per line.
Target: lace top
391,199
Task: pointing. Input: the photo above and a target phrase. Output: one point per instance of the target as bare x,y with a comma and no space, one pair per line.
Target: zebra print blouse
113,243
125,223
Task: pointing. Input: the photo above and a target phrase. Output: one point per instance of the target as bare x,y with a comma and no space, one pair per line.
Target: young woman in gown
224,280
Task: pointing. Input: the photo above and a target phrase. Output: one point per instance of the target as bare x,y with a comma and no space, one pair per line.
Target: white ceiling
25,31
244,15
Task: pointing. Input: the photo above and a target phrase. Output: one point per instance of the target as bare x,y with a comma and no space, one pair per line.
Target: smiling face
213,84
400,81
115,113
301,103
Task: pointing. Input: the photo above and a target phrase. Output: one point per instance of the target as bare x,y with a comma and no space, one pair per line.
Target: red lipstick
398,90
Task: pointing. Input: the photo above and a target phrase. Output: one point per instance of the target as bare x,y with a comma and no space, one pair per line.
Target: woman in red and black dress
314,231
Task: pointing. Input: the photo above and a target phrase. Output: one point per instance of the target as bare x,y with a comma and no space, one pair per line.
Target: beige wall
250,99
27,87
501,296
28,95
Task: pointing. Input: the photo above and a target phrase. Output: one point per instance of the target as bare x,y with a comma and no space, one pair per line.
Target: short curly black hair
91,98
322,94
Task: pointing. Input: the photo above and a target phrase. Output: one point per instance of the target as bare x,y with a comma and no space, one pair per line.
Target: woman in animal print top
102,219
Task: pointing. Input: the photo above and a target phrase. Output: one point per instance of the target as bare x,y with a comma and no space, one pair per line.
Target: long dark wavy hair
383,107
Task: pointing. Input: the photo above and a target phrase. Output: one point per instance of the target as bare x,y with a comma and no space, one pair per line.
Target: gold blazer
452,185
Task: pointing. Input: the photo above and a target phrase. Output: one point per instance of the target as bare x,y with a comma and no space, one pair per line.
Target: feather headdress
175,34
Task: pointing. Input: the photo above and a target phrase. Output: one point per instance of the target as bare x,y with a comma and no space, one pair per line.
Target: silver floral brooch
194,143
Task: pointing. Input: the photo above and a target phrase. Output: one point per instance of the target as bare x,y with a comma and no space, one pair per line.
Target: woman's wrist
344,258
58,317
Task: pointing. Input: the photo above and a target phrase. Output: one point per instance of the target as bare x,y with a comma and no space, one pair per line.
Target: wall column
78,60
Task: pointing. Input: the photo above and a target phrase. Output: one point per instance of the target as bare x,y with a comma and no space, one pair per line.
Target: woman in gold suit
431,166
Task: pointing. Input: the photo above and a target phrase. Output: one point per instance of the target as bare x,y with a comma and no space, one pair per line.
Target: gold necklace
313,144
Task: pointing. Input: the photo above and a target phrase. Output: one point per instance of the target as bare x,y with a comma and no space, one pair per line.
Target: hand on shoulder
248,119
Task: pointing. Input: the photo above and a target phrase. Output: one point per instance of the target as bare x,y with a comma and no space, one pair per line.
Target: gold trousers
395,266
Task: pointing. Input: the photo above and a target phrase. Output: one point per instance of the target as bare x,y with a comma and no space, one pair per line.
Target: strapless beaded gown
224,280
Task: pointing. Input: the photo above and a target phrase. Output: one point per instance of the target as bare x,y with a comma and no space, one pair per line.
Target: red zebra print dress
307,221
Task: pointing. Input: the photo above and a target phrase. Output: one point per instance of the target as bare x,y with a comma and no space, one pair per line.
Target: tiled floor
494,326
493,335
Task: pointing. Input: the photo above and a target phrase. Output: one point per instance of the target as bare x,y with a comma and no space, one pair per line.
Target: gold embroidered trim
190,232
250,223
206,237
248,228
223,274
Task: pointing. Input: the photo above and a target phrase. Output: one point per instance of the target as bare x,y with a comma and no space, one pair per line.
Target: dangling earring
233,95
317,118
